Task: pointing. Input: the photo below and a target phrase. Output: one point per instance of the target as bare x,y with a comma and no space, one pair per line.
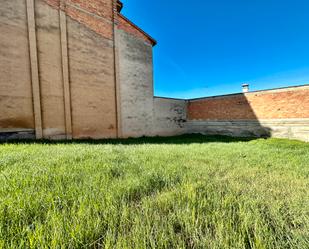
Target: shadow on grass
183,139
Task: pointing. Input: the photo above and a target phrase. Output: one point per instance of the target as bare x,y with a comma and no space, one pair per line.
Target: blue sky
211,47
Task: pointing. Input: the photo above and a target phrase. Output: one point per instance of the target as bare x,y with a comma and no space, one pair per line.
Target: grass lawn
182,192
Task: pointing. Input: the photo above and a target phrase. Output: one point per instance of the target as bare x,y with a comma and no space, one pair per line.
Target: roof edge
152,40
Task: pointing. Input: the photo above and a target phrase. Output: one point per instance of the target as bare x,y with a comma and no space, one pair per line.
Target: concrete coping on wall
306,86
168,98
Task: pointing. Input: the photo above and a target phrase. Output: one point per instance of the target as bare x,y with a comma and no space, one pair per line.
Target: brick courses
100,16
272,104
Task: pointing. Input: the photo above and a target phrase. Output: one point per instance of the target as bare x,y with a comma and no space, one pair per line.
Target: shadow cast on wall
282,113
229,115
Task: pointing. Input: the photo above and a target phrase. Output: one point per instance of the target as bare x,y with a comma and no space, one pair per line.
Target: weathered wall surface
278,113
92,83
281,128
16,109
89,26
170,116
57,69
58,75
50,68
135,84
124,24
77,68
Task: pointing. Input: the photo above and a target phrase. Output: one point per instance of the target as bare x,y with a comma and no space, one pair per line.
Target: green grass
181,192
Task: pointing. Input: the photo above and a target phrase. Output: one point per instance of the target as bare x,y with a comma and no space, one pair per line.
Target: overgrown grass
182,192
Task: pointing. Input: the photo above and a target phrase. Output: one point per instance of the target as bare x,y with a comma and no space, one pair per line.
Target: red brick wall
273,104
102,8
97,15
93,22
54,3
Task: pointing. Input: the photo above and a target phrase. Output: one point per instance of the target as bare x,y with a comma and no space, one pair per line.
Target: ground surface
183,192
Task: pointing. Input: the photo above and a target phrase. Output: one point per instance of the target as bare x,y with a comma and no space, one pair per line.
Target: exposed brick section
129,27
273,104
95,23
54,3
97,15
101,8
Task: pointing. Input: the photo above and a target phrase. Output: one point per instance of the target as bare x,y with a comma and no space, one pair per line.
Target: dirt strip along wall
277,113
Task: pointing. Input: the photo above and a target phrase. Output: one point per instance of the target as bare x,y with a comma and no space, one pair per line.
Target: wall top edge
298,87
179,99
280,89
150,38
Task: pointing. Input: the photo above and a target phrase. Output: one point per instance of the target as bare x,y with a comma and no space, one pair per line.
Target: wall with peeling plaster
170,116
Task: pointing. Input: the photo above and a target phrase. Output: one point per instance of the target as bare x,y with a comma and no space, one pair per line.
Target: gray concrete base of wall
16,134
280,128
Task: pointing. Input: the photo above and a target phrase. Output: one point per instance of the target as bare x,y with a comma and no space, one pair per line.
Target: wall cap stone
279,89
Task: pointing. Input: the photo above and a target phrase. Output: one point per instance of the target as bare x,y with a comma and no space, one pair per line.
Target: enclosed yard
181,192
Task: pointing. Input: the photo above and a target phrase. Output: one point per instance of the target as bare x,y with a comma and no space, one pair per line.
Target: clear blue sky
211,47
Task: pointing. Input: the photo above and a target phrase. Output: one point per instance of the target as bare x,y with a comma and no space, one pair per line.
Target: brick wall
102,8
96,15
59,74
273,104
280,113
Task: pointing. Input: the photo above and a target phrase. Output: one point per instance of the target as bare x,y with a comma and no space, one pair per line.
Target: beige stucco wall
39,54
50,68
170,117
135,85
16,110
73,58
92,83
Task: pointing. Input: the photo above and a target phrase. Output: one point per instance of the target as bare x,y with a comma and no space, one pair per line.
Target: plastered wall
170,117
93,97
57,69
135,85
63,76
50,70
16,108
